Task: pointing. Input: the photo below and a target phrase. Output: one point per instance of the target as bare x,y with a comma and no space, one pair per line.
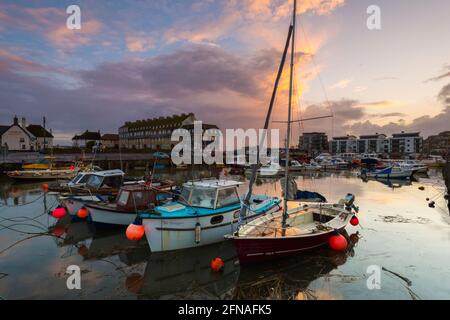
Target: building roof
110,136
88,135
372,136
344,138
404,134
314,133
205,126
173,121
38,131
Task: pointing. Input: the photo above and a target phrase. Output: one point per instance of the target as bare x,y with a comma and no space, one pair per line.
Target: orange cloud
138,43
65,38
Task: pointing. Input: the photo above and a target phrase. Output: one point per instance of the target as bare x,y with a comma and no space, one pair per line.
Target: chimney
23,123
15,121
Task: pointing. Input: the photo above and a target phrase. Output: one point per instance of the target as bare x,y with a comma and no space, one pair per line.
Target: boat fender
198,232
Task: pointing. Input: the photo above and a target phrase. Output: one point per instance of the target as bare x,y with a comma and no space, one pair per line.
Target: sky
138,59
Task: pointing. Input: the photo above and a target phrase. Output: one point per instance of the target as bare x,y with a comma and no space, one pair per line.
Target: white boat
205,212
414,166
312,166
271,170
388,173
99,186
434,160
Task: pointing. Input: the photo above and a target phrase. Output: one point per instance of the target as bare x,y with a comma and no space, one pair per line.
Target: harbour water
399,235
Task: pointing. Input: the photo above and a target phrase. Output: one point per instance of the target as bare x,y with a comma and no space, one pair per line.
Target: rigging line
318,77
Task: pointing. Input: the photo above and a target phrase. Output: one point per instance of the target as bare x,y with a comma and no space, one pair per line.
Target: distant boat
47,174
388,173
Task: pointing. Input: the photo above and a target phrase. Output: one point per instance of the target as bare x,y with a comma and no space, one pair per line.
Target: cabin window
227,197
95,181
216,219
123,197
204,198
185,194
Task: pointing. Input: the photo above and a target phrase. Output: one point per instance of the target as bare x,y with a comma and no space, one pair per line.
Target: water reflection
117,268
290,278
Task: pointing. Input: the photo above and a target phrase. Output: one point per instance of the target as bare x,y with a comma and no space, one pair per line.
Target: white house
19,136
16,136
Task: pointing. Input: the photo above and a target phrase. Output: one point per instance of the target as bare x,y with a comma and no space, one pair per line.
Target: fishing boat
131,200
289,231
388,173
205,211
99,186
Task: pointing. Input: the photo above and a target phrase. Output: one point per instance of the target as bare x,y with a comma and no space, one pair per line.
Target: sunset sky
136,59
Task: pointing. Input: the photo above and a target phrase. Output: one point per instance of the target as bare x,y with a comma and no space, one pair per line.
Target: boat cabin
136,197
210,194
105,179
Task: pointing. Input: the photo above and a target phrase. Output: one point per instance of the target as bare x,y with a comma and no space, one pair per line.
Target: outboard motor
350,202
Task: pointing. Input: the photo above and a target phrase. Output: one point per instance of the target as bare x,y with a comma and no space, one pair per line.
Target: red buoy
217,264
354,221
72,168
58,231
338,242
59,212
135,232
44,187
82,213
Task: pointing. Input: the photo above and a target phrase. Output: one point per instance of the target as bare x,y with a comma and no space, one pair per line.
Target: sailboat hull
257,250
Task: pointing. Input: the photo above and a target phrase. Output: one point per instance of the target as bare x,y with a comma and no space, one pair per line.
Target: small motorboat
388,173
131,200
204,212
99,186
414,165
271,170
312,166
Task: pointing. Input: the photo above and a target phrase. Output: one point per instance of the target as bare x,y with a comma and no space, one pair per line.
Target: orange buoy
59,212
354,221
83,251
217,264
44,187
135,232
338,242
82,213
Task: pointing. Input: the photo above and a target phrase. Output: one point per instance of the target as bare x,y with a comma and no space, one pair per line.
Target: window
22,139
216,219
203,198
95,181
227,197
123,198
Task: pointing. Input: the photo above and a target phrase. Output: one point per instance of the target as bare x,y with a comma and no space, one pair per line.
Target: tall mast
246,202
288,133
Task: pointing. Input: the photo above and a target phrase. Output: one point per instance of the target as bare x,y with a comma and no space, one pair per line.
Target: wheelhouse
105,179
212,194
136,197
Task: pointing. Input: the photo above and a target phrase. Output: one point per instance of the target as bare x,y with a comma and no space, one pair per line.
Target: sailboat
290,231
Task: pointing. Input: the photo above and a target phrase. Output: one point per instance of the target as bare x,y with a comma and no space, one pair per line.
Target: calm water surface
398,231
